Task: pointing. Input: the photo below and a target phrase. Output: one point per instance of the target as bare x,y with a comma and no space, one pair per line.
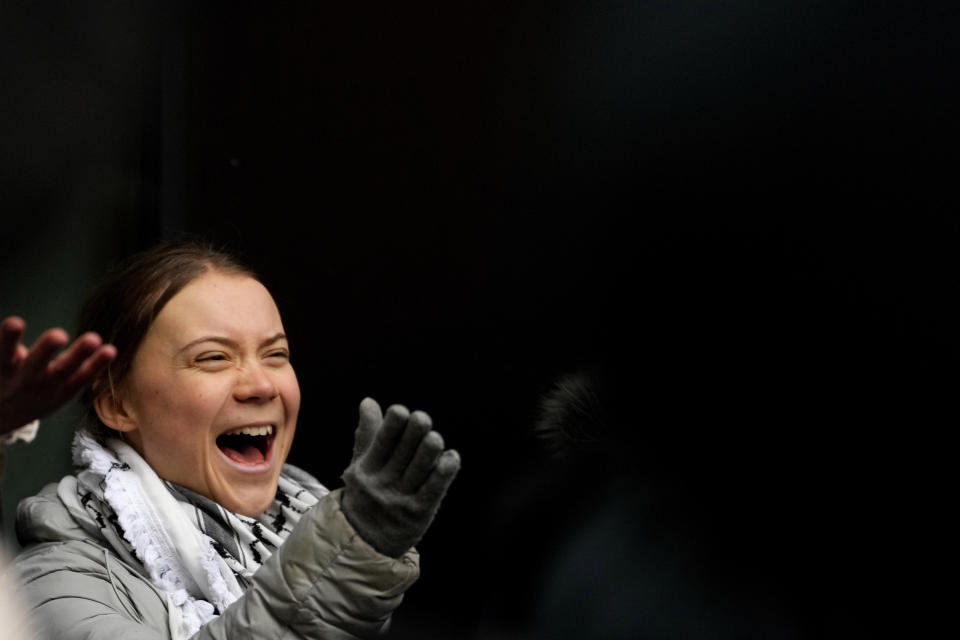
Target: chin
250,503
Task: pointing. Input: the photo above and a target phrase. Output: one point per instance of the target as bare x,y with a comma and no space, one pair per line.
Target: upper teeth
251,431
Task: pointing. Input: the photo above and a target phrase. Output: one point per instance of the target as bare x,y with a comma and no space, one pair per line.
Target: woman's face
211,399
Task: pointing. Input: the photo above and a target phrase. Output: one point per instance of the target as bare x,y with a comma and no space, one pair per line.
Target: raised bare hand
397,478
35,382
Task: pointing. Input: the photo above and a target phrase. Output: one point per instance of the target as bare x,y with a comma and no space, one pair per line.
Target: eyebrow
230,343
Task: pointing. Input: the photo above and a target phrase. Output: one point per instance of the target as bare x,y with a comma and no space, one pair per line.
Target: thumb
371,417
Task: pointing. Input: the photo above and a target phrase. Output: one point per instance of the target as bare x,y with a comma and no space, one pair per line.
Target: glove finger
386,438
371,417
418,426
435,487
423,462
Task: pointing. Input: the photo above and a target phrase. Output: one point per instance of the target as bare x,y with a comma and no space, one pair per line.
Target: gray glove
397,478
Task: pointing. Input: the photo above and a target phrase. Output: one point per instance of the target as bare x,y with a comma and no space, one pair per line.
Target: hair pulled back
123,307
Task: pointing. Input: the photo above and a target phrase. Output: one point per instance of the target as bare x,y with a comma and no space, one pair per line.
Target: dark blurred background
744,213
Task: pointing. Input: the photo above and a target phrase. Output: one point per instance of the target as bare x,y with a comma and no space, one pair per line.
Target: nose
254,384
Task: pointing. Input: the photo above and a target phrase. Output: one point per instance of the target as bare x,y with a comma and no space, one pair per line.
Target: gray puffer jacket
323,582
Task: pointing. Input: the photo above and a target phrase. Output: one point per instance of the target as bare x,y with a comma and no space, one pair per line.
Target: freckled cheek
187,412
155,401
293,387
293,403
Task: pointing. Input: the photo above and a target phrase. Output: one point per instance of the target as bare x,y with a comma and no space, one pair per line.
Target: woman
182,520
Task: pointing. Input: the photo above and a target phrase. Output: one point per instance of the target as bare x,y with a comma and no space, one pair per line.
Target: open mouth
247,445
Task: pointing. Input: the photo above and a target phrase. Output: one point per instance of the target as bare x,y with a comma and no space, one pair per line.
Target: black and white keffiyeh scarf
198,553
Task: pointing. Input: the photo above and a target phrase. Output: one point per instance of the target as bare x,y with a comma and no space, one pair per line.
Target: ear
112,412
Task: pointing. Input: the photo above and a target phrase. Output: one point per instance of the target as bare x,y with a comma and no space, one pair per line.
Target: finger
89,369
436,485
42,350
418,425
11,331
70,360
385,441
371,417
429,450
20,355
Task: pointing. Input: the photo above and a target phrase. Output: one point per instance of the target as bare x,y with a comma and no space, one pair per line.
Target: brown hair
125,304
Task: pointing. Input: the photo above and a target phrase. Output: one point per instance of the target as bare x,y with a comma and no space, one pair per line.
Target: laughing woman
183,520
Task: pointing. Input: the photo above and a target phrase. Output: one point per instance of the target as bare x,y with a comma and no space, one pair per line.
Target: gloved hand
397,478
